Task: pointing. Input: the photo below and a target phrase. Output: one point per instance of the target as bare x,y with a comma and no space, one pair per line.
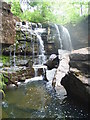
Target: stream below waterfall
36,98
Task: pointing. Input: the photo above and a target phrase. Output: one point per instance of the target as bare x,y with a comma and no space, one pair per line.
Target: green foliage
33,3
43,13
2,84
26,16
59,11
16,9
2,81
4,59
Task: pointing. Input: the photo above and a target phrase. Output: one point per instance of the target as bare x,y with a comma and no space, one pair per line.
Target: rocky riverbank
74,75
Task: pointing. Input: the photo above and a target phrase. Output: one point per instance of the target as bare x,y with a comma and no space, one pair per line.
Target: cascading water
66,39
41,49
59,37
41,57
10,56
14,56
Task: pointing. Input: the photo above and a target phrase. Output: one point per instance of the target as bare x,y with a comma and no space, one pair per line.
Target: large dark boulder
76,89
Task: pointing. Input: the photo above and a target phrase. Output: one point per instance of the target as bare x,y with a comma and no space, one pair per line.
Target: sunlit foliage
56,11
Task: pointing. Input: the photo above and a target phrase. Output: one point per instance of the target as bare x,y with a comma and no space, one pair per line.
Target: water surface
37,99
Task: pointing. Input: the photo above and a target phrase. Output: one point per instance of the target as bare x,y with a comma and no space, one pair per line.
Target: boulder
80,59
80,54
53,62
77,81
62,70
76,89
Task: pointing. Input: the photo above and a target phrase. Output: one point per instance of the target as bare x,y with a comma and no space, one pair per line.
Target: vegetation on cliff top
58,11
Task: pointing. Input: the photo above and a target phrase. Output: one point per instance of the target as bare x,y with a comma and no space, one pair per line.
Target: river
37,99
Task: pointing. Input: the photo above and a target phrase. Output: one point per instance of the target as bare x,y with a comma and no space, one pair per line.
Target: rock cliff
7,33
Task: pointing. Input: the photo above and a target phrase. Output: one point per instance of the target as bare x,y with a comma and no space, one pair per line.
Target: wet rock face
21,49
20,75
8,24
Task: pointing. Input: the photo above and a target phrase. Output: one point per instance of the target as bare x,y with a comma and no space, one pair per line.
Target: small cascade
14,56
24,50
36,71
37,67
41,49
59,37
32,42
41,55
10,56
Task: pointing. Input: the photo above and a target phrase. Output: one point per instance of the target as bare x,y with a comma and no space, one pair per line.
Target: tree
58,11
16,9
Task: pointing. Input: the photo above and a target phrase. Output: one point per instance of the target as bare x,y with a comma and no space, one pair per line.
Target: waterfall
64,38
67,44
59,37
